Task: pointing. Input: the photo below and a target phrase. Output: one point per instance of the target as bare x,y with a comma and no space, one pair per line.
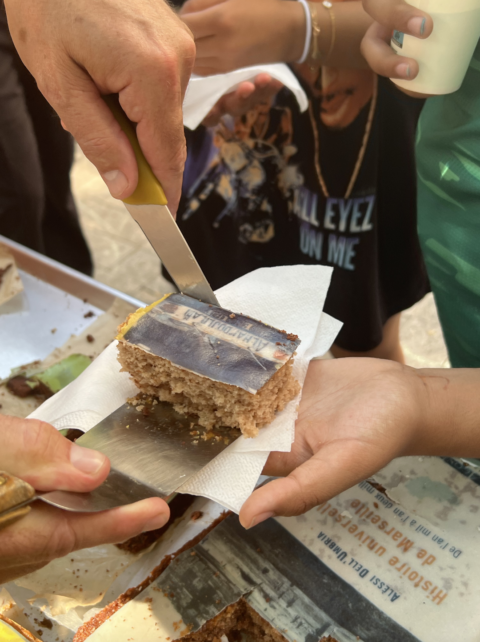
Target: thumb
86,116
38,454
331,471
401,16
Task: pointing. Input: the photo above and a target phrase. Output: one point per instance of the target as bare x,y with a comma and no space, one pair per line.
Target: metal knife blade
151,456
165,237
148,207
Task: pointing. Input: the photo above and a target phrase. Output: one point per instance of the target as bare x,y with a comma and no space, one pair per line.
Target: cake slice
225,368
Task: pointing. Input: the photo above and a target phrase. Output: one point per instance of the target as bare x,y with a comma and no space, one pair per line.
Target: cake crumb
232,316
89,314
53,330
90,338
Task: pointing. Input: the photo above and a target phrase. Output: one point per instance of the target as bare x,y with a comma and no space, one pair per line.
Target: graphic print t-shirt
253,196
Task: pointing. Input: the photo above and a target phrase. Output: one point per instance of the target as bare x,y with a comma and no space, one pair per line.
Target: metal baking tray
51,308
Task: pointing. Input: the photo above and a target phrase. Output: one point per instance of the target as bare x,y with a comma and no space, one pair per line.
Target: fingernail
157,522
416,26
402,70
116,182
87,460
258,519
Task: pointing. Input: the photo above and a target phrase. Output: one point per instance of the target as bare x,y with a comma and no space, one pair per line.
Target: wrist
448,404
295,30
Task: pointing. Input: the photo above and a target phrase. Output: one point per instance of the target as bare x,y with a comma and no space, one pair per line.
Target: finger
47,532
40,455
320,478
202,24
234,103
192,6
210,47
229,104
154,101
265,81
84,114
397,14
242,100
383,59
265,92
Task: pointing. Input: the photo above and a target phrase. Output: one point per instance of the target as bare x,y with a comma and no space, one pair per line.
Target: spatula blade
152,451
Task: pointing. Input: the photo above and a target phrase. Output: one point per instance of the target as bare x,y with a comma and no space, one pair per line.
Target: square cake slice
225,368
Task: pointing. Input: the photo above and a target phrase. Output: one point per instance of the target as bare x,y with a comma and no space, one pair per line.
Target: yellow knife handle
13,492
148,191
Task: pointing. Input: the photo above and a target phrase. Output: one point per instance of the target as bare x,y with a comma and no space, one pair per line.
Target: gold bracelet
314,53
329,7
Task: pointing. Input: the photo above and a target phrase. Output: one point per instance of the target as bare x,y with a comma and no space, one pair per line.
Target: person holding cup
448,154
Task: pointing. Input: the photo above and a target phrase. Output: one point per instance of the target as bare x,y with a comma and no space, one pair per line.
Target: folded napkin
289,298
203,92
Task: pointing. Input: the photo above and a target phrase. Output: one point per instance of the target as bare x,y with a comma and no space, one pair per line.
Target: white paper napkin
204,91
289,298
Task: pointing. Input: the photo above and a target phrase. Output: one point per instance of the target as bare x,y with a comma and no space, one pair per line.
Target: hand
38,454
230,34
390,15
355,416
80,49
245,97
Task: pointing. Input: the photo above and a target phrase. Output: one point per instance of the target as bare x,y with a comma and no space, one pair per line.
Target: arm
80,49
38,454
356,415
238,33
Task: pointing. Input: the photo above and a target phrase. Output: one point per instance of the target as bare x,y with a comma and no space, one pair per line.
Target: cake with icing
225,368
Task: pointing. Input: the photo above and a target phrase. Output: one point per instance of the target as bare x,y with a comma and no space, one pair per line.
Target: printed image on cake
225,368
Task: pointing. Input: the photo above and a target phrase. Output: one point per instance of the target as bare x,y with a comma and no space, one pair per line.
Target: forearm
451,413
348,27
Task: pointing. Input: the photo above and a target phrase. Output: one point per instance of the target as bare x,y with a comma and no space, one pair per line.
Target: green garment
448,164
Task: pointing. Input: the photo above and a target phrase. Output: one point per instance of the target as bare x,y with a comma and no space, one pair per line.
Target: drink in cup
444,57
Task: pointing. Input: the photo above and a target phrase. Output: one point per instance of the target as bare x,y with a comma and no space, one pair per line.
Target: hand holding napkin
203,92
289,298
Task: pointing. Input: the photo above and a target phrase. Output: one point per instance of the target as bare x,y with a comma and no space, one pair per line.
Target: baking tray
65,278
55,304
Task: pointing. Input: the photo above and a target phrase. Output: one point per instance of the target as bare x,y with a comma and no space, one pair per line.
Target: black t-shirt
252,197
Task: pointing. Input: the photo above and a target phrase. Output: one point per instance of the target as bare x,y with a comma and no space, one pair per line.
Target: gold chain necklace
361,153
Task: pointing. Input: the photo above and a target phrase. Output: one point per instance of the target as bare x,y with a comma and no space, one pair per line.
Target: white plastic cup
443,58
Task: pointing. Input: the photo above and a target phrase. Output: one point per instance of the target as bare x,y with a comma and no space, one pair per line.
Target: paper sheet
204,92
289,298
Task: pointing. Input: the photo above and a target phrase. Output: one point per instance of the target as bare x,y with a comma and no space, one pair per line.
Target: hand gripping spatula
151,456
